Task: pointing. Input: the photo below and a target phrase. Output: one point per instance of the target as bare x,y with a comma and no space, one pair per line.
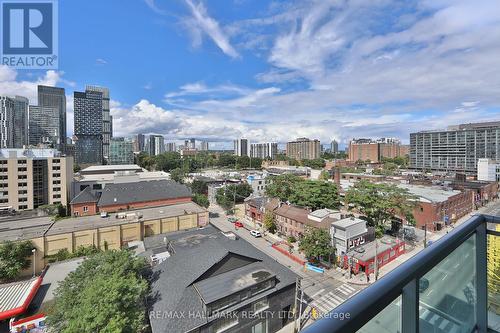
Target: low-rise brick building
293,221
125,196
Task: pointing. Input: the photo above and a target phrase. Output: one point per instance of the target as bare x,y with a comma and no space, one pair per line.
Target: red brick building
125,196
438,206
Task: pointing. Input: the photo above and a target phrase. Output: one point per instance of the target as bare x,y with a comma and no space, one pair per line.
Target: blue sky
276,70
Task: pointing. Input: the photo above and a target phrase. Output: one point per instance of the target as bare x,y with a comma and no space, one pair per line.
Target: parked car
423,284
238,224
232,219
255,233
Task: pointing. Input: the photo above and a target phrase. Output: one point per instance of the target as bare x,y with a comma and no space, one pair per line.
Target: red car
238,224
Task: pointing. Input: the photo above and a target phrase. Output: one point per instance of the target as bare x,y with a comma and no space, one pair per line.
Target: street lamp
34,261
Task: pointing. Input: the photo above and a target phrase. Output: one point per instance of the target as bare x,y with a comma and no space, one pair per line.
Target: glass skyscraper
88,108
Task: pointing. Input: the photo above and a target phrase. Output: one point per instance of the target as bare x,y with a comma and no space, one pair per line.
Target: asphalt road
324,291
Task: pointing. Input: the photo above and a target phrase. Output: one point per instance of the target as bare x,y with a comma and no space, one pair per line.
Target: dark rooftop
124,193
84,196
179,276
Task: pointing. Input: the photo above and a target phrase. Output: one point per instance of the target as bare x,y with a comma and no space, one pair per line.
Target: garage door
187,222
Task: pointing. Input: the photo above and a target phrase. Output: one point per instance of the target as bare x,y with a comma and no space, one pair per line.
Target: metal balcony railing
443,288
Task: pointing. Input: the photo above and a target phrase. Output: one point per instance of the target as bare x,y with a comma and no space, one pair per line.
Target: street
324,291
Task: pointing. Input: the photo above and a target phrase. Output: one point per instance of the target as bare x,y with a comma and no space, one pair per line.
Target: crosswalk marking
316,294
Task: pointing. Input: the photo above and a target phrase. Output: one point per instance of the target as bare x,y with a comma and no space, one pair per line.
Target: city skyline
219,83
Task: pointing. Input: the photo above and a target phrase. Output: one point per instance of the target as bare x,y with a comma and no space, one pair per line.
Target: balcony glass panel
387,321
447,293
494,279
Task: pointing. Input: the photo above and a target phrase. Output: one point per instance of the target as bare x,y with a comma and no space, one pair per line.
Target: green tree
234,193
324,175
145,161
178,175
380,203
168,161
104,294
199,187
76,168
315,164
269,223
316,243
282,186
315,194
201,199
14,257
226,161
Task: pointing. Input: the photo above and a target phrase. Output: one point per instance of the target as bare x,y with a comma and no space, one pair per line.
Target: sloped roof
84,196
125,193
301,215
196,251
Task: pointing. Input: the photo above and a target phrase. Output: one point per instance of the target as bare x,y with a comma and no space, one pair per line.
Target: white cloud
202,22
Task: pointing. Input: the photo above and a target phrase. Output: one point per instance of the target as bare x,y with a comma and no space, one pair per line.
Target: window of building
57,189
21,161
23,199
22,177
55,168
261,305
3,169
56,175
22,184
260,327
23,206
5,192
4,200
4,177
56,182
225,323
56,160
85,208
22,169
57,196
22,192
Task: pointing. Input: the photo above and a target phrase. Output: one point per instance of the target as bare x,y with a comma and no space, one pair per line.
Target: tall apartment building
241,147
139,142
156,145
30,178
303,149
456,149
334,147
170,146
375,150
6,122
54,97
204,146
88,127
107,120
44,126
120,152
264,150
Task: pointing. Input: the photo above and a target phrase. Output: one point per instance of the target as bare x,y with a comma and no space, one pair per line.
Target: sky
278,70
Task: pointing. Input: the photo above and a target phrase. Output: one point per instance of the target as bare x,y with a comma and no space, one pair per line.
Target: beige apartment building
303,149
30,178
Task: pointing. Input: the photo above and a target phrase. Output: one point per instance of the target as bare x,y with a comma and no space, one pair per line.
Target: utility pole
300,309
376,259
425,235
295,306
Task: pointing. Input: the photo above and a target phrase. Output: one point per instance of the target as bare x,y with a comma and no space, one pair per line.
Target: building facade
334,147
267,150
456,149
139,142
170,146
120,152
204,146
488,170
44,126
21,105
107,120
6,122
347,234
30,178
54,97
88,109
156,145
303,149
241,147
375,150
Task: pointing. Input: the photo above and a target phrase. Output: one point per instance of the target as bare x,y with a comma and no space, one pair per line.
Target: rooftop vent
229,235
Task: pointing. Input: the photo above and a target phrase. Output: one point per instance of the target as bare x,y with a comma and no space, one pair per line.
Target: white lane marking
348,287
430,292
456,266
338,298
444,277
343,291
316,294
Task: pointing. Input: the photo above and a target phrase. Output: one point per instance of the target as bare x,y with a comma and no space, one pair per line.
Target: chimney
336,175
